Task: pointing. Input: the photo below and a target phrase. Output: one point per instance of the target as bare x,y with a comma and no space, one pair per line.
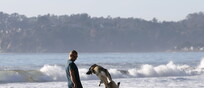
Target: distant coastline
56,34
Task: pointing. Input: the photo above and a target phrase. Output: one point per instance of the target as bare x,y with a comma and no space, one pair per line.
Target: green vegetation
51,33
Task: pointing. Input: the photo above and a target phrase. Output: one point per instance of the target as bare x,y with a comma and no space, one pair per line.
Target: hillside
51,33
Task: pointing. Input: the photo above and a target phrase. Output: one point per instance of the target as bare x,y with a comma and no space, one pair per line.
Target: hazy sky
169,10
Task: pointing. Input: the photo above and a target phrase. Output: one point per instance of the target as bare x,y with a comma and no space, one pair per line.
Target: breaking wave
49,73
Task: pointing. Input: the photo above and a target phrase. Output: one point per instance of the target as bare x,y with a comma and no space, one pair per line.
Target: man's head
73,55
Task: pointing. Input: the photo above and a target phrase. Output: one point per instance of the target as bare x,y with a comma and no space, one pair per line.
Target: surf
53,73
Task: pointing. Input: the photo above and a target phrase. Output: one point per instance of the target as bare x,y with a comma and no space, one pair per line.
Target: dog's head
91,70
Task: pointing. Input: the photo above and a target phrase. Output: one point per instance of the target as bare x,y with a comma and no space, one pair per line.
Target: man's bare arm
72,74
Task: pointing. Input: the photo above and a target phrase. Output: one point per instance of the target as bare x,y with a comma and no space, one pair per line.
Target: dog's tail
118,84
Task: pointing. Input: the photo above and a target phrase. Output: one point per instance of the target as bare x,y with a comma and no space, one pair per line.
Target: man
72,71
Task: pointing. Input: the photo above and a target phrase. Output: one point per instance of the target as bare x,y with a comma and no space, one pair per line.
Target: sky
163,10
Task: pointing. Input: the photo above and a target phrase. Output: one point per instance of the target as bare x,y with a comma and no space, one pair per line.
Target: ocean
132,70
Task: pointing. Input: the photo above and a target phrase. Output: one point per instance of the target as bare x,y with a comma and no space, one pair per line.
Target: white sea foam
53,73
49,73
169,69
201,65
115,73
200,68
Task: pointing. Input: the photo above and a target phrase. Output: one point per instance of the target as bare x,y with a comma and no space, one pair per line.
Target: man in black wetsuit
72,72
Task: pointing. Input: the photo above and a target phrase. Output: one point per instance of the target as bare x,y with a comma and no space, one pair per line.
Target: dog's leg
118,84
100,83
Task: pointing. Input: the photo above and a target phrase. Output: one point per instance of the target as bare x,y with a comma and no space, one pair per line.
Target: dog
103,75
